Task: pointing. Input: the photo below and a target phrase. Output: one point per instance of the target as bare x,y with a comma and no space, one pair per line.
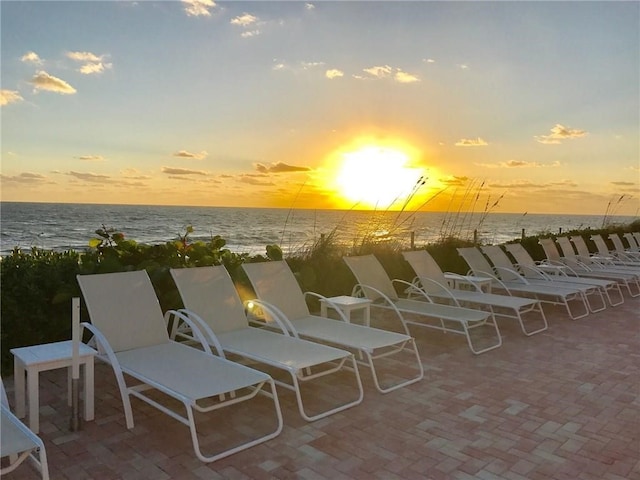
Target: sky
522,107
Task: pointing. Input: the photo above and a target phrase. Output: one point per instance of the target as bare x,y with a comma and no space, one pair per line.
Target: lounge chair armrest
528,268
519,277
492,276
102,345
200,331
411,288
274,313
444,288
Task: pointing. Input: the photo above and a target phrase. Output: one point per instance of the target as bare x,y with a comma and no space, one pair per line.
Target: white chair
281,297
507,271
515,283
375,284
530,269
623,254
131,335
18,442
634,247
210,298
605,262
431,279
585,267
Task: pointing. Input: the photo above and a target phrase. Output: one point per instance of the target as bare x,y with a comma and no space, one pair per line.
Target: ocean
62,226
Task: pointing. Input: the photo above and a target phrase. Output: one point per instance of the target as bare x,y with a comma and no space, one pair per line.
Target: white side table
40,358
347,305
467,281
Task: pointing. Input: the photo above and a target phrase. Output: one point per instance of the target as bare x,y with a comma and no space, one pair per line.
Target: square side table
347,304
39,358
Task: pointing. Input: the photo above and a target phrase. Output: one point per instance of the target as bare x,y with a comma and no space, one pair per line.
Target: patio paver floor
563,404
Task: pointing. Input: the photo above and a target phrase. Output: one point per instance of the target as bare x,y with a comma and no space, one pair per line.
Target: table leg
69,389
18,379
88,390
323,309
367,315
34,399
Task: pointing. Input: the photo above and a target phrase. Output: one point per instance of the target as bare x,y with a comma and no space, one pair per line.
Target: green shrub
37,285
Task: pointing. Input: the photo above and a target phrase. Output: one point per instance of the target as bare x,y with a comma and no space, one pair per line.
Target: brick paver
564,404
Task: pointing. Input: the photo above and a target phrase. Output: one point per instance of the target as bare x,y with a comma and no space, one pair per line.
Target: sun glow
376,177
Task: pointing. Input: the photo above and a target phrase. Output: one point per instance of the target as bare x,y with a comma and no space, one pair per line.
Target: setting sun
375,176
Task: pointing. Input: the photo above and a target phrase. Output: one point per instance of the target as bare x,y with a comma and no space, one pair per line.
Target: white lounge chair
606,262
576,266
506,270
131,335
633,242
554,295
18,442
557,273
281,297
375,284
210,299
431,279
619,251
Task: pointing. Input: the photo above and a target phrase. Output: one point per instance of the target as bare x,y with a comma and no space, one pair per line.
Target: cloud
43,81
93,63
250,33
333,73
91,68
252,180
84,57
560,133
518,164
308,65
9,96
454,181
380,71
386,71
429,60
471,142
624,184
463,66
523,184
91,158
91,177
197,8
309,6
31,57
181,171
404,77
185,154
25,177
279,167
245,20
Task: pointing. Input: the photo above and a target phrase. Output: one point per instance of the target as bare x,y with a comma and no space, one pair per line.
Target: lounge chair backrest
426,267
581,245
3,394
520,254
499,258
209,292
565,246
617,242
125,308
631,240
275,283
476,261
550,249
369,271
601,245
522,257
